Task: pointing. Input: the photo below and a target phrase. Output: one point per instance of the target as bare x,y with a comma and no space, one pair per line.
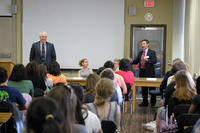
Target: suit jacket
35,54
149,64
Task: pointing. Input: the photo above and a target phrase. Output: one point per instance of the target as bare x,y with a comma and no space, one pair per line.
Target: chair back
108,126
181,109
129,92
15,123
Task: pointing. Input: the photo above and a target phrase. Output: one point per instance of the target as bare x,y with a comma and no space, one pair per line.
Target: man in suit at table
146,59
43,51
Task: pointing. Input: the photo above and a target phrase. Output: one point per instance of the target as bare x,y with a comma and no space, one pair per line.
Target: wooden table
82,81
144,82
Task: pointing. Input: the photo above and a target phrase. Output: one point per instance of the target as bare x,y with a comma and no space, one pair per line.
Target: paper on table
77,78
152,79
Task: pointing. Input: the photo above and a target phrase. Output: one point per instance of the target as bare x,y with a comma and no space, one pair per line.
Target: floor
132,123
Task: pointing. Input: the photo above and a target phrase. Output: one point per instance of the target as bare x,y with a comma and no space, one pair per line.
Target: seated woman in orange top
55,74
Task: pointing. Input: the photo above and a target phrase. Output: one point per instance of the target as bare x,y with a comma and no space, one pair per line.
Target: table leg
134,99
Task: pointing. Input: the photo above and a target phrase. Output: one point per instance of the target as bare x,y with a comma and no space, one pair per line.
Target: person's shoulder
197,98
78,128
36,43
27,81
150,50
49,43
11,89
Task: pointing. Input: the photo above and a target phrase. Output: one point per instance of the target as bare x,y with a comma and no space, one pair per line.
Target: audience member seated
43,73
117,95
91,81
184,92
198,85
195,106
83,115
55,74
9,93
44,116
179,65
163,84
102,107
124,71
85,71
100,70
66,99
38,82
18,79
117,78
116,64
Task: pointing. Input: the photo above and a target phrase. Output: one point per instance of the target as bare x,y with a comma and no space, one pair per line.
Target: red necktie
143,60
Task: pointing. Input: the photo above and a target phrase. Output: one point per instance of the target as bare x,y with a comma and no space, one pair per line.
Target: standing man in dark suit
43,51
146,59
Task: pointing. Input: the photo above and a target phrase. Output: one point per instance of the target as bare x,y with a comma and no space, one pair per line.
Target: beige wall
7,39
162,14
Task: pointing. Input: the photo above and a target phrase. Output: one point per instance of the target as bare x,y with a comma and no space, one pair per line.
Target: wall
178,29
192,33
162,14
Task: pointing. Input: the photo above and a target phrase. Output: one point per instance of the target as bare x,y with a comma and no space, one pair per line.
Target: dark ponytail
51,126
44,116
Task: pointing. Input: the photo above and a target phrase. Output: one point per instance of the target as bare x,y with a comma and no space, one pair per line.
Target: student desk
144,82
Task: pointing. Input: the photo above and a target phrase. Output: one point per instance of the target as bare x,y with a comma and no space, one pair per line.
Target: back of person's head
109,64
116,60
79,91
179,65
124,65
175,60
100,70
66,99
81,62
185,86
107,73
54,68
32,68
3,75
42,70
43,116
18,73
104,90
91,82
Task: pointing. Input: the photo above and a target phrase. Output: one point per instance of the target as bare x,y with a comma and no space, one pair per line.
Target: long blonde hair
185,86
104,90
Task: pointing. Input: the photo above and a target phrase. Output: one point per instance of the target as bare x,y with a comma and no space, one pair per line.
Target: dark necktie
43,54
143,60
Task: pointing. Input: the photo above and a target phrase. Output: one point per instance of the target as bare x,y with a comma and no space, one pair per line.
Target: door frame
164,39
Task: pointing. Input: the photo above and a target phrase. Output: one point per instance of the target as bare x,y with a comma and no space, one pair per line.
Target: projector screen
92,29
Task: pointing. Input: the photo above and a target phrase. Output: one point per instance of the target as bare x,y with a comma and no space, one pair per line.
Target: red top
128,76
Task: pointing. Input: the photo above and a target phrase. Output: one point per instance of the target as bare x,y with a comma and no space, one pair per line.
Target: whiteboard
92,29
5,8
